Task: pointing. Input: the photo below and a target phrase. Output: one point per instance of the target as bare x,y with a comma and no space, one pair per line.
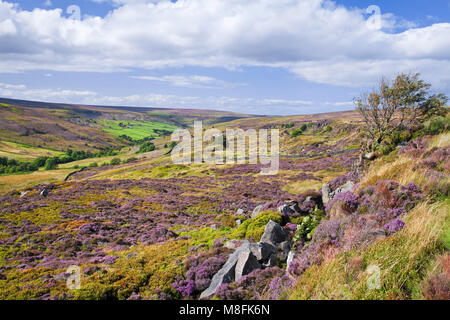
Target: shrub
146,147
132,159
296,133
50,164
115,162
93,165
437,125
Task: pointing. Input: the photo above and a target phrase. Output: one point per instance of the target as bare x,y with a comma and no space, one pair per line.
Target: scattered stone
24,193
238,222
370,156
274,234
256,211
240,212
290,258
286,210
44,192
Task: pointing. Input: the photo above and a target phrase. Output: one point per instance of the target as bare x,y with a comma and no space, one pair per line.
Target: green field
136,130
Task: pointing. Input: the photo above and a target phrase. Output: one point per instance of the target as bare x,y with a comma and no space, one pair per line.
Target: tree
115,162
51,163
398,105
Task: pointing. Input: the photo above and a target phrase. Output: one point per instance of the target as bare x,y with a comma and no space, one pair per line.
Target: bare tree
400,104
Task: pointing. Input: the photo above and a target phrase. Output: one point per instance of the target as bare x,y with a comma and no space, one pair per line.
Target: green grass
136,130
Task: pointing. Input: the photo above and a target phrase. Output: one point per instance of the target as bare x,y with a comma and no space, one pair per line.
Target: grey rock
44,192
240,212
326,193
286,210
290,258
24,193
285,247
271,262
256,211
234,244
238,222
274,234
262,251
246,263
227,273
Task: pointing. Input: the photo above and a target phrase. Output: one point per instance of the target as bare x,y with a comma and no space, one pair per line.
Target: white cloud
315,39
192,81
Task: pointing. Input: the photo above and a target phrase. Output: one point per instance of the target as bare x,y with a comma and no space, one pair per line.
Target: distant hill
58,126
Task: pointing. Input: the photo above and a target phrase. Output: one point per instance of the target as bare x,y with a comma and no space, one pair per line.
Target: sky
272,57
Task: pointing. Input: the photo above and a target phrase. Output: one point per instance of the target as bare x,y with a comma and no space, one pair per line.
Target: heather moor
224,150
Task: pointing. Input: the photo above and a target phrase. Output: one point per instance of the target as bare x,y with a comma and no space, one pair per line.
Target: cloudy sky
251,56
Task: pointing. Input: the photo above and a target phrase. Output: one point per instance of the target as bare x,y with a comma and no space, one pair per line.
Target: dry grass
405,259
20,181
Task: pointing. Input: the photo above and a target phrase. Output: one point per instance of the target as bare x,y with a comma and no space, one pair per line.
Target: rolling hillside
61,126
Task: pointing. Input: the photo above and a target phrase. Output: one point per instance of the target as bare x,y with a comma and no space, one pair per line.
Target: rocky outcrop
234,244
274,234
274,245
246,263
328,194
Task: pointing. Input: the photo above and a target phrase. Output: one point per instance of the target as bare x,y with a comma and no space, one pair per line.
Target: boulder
326,193
286,210
271,262
274,234
246,263
44,192
234,244
284,247
238,222
227,273
262,251
256,211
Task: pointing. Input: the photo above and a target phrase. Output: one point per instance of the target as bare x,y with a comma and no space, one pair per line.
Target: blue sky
259,57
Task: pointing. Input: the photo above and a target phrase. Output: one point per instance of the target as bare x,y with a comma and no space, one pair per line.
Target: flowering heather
252,286
200,269
370,213
394,225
